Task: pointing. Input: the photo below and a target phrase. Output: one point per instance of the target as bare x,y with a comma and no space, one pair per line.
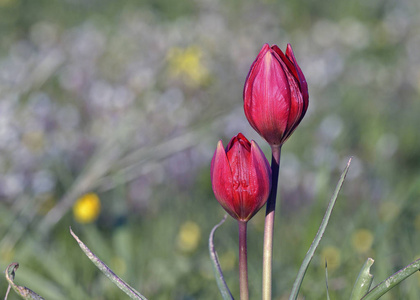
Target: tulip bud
241,177
275,94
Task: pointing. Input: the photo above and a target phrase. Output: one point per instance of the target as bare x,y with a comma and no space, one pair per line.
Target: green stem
269,225
243,261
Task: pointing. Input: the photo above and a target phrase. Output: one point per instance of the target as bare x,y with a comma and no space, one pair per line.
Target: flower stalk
243,261
269,225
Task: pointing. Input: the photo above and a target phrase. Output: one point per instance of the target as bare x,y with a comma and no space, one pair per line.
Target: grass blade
326,280
22,291
383,287
221,283
318,237
363,281
126,288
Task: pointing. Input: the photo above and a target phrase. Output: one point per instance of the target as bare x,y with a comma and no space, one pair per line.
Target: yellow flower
332,256
187,65
87,208
362,240
189,236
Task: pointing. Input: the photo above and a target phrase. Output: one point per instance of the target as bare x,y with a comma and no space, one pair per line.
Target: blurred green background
127,100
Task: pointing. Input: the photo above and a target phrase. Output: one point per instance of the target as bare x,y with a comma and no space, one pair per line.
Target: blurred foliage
127,99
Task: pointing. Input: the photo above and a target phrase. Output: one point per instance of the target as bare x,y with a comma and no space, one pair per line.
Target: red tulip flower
241,177
275,94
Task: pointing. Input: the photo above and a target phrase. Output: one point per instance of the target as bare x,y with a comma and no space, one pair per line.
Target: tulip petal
301,96
241,177
221,178
302,81
285,59
296,107
239,161
262,52
275,94
266,96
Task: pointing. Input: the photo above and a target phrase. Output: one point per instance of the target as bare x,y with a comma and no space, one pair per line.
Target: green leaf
364,280
221,283
22,291
383,287
318,237
326,280
125,287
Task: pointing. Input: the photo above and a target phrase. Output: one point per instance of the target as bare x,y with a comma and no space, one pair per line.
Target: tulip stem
269,225
243,261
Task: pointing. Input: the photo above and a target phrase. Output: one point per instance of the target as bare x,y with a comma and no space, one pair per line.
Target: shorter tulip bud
241,177
275,94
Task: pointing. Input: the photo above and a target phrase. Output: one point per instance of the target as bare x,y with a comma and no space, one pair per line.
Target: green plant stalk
269,225
243,261
383,287
318,237
363,281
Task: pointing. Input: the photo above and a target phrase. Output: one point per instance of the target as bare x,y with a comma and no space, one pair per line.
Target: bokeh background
118,105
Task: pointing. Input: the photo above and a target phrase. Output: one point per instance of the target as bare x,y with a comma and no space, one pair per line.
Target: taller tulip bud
241,177
275,94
